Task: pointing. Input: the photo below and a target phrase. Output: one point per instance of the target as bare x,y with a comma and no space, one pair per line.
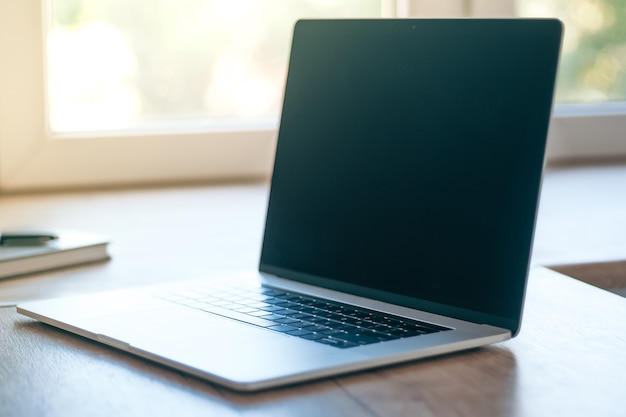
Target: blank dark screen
409,158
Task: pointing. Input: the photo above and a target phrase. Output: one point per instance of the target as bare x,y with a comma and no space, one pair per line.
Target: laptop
400,216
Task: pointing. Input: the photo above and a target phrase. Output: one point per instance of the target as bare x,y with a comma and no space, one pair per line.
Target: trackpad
218,346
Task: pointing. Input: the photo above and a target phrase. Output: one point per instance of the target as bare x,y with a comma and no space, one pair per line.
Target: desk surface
568,359
157,235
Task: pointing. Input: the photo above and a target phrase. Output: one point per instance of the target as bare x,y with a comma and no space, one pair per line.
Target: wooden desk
569,359
156,235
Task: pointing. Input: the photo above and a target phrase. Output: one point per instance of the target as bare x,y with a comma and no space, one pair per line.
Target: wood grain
568,360
606,275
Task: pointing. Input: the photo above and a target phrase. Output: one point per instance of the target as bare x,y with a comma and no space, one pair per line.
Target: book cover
69,248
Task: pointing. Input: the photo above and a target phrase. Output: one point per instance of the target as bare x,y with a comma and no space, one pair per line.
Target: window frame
32,158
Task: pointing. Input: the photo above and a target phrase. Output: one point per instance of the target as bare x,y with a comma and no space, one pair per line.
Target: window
44,145
50,138
593,63
590,111
118,65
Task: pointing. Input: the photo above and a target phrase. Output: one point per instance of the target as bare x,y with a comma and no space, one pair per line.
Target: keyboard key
313,328
258,313
359,339
398,332
302,316
284,312
282,328
313,336
382,336
259,305
292,298
336,343
317,319
339,326
246,309
330,332
273,301
380,328
287,304
286,320
299,332
272,317
312,310
270,308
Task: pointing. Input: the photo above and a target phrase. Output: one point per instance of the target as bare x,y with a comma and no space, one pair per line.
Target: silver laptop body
405,186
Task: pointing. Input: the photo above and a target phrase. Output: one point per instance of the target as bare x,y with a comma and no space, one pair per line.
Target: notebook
22,255
400,217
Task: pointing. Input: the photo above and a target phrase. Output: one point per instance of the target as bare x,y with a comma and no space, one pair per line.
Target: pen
26,238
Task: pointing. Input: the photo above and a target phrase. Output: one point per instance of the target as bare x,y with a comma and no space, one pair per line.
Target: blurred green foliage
593,63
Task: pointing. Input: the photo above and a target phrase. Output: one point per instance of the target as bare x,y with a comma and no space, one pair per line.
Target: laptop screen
409,161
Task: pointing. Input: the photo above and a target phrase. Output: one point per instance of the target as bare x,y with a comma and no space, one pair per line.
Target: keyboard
320,320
